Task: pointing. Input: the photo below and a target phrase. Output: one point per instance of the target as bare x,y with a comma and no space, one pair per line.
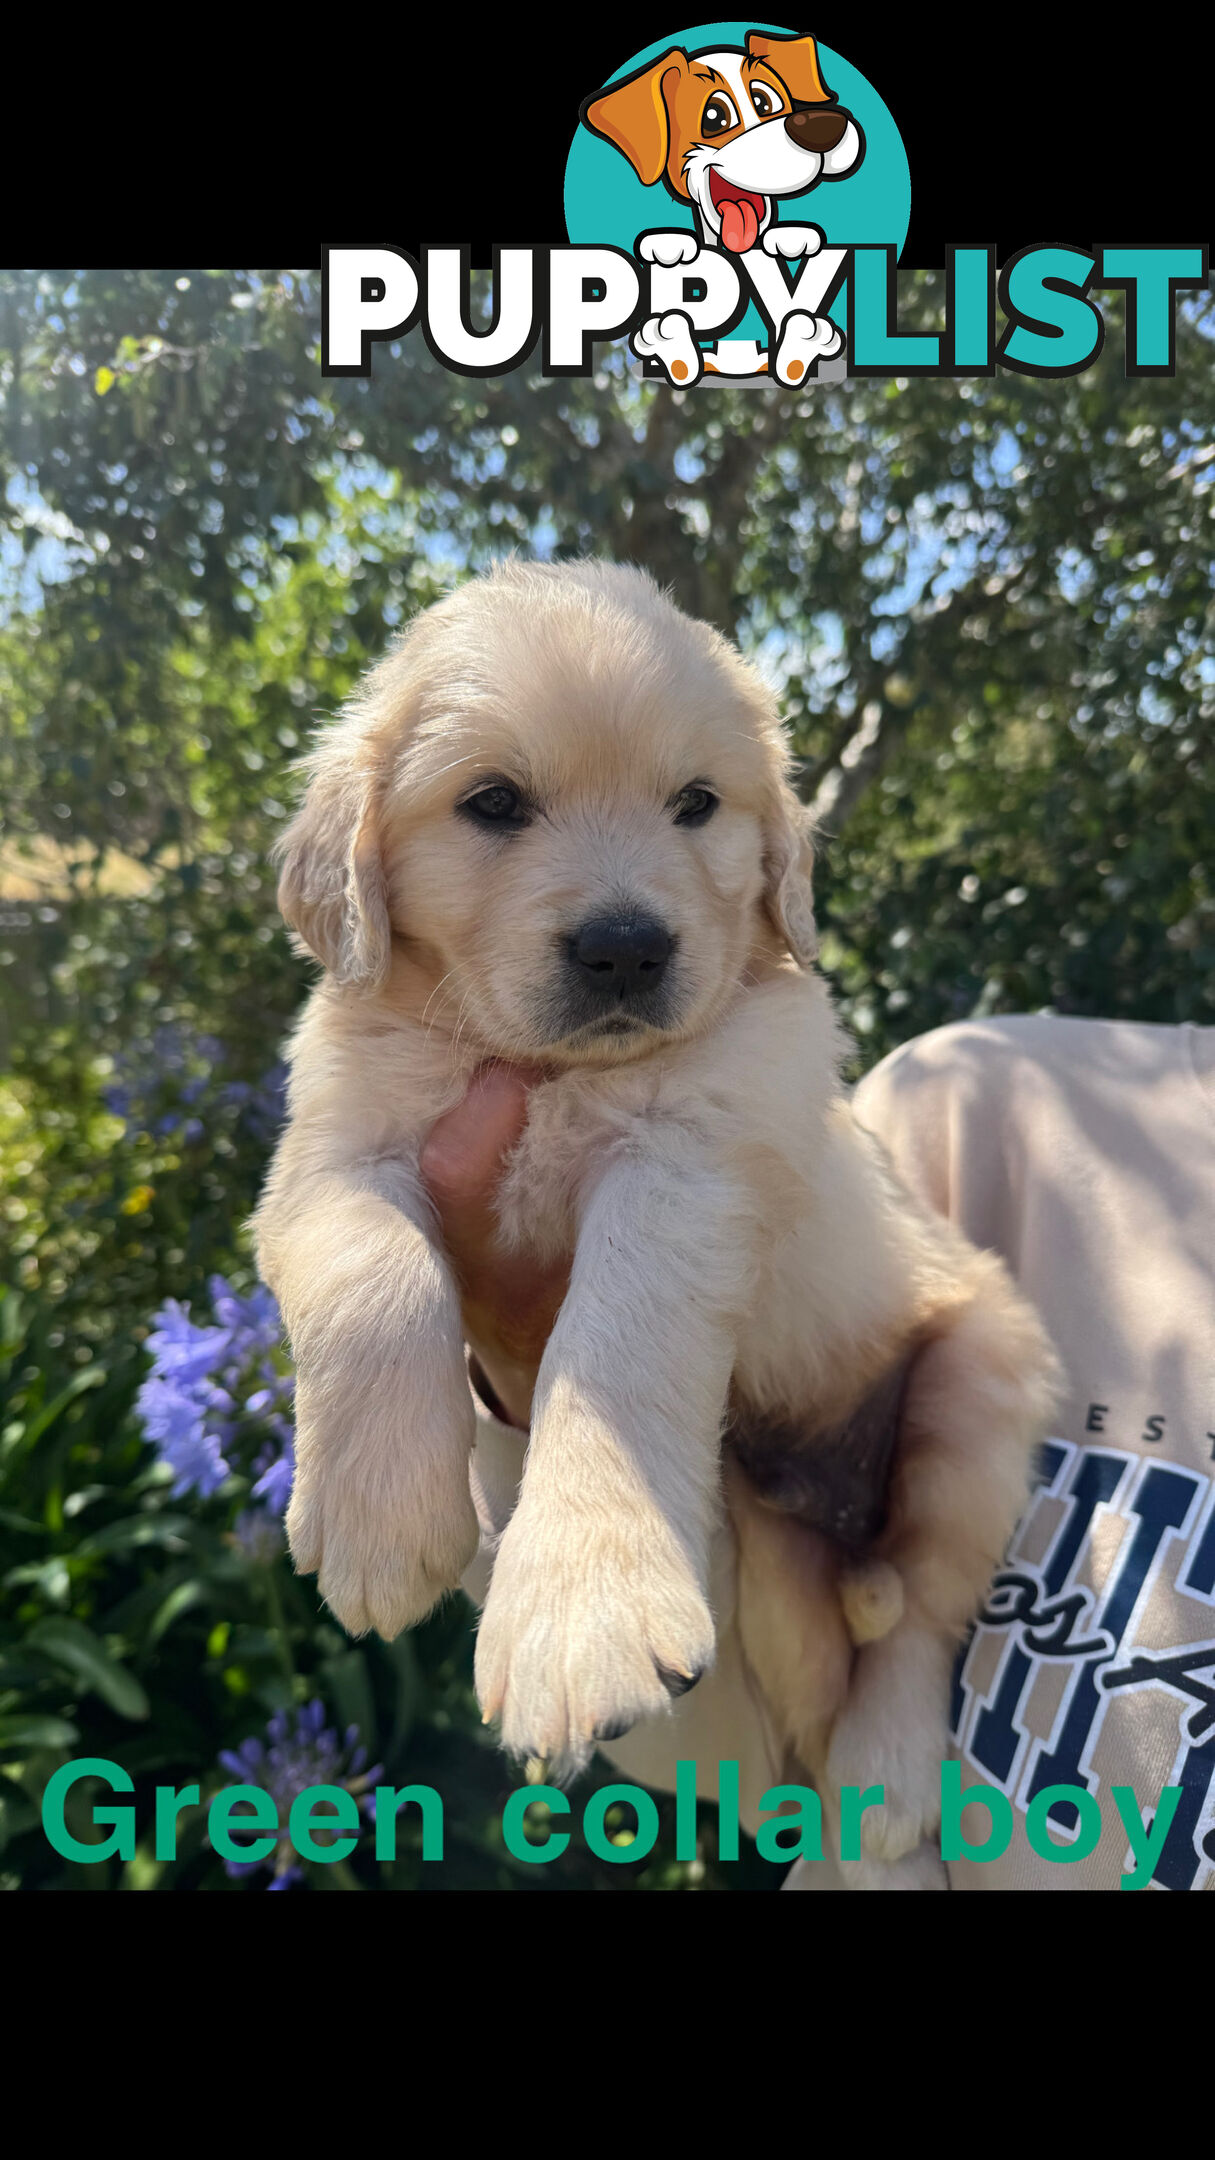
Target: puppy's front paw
583,1635
385,1521
805,340
792,241
892,1731
668,248
669,340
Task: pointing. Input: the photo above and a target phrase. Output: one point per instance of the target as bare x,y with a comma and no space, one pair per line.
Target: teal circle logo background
607,205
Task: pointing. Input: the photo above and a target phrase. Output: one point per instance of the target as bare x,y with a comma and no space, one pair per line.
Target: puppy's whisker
463,1019
430,1001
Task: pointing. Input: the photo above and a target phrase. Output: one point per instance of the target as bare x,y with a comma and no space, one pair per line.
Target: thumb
462,1157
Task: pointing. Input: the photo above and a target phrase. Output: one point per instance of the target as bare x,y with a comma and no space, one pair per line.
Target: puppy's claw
614,1729
677,1682
535,1770
575,1650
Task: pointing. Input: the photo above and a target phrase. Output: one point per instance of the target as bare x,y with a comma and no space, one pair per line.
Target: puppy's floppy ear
788,864
331,888
795,60
633,116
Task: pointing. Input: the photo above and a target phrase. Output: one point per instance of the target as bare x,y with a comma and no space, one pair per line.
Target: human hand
509,1302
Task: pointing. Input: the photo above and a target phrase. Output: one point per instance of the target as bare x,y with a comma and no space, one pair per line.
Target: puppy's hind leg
978,1400
871,1593
790,1621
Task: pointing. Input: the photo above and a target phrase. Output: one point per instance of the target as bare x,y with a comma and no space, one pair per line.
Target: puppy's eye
498,805
718,116
694,806
765,101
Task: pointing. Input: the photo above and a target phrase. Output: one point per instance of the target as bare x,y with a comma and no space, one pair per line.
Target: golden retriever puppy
554,827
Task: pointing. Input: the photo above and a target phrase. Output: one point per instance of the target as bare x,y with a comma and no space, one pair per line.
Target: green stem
278,1625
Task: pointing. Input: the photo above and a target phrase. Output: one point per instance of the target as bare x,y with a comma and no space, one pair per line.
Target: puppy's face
731,131
573,821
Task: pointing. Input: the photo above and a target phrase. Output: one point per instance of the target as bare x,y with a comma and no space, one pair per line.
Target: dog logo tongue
739,224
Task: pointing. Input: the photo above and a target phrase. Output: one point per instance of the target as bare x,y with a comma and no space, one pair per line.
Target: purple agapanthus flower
211,1389
260,1105
174,1417
182,1349
160,1084
157,1079
297,1752
274,1477
255,1319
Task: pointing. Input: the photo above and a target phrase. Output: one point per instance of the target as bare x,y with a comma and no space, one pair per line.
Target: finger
509,1301
462,1157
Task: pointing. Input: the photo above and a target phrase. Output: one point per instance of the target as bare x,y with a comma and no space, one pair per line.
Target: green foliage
133,1627
988,607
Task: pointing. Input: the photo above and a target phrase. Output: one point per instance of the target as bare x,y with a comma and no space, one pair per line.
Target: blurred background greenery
988,607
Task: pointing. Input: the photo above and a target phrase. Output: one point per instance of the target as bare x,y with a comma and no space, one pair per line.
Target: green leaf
16,1814
410,1692
182,1599
69,1644
37,1732
51,1576
24,1437
23,1524
104,380
134,1531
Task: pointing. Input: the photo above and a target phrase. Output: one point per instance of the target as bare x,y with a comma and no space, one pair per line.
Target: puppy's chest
571,1126
577,1122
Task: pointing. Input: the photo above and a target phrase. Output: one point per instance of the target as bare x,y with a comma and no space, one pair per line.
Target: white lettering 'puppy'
554,827
730,132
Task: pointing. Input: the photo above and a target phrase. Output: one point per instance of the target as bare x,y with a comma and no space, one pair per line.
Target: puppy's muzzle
620,960
817,127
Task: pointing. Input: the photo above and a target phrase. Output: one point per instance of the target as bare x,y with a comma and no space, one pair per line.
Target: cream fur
730,1223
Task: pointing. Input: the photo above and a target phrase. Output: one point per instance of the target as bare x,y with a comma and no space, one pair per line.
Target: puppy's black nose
619,955
817,127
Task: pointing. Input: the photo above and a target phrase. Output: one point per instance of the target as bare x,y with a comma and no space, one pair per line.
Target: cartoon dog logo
730,132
